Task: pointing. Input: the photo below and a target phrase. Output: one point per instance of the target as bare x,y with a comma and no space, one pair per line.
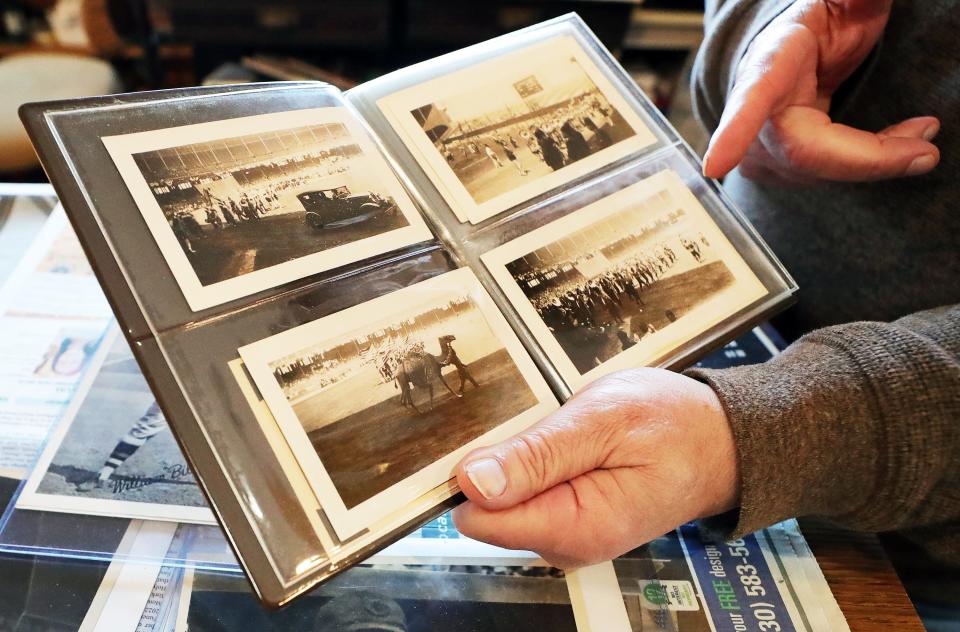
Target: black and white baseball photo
249,209
508,129
115,454
624,275
379,405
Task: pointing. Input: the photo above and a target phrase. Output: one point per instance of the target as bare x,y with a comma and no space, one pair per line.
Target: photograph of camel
384,400
438,368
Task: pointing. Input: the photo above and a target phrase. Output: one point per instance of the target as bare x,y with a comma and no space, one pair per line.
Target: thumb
562,446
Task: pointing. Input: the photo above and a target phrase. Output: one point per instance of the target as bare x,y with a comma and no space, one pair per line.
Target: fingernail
921,165
487,476
706,161
931,131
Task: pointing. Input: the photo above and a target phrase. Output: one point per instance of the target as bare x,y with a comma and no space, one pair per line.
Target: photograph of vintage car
241,205
339,208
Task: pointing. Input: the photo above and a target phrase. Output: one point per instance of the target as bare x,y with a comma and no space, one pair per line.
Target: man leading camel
449,355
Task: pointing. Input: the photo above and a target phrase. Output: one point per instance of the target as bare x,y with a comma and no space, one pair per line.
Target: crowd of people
312,373
565,299
591,302
315,372
218,214
557,136
202,208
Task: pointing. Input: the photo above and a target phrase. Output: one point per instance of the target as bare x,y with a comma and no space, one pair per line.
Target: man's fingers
923,127
530,525
560,447
769,74
759,165
561,524
764,174
806,140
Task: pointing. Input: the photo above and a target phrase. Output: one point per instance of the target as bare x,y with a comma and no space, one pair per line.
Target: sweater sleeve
730,26
859,423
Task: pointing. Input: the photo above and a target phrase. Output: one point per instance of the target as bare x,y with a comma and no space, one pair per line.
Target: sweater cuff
841,424
767,436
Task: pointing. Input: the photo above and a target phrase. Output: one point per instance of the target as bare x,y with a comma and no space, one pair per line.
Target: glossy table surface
862,579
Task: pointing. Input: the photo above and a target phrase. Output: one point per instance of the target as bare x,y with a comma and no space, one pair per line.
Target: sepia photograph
392,598
113,454
624,281
505,130
378,402
334,548
241,205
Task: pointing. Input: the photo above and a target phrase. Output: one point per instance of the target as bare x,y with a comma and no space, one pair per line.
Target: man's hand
627,459
775,124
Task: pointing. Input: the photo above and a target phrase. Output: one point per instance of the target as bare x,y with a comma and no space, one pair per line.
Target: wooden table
862,579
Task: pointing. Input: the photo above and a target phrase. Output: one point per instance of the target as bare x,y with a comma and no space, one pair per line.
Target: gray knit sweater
859,422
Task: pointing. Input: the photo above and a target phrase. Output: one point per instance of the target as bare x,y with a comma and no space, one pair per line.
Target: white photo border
122,148
348,522
397,109
746,290
597,601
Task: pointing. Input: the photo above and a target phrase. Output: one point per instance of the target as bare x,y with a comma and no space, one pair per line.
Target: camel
419,370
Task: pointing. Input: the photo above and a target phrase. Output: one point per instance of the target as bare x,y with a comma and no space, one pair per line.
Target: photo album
334,296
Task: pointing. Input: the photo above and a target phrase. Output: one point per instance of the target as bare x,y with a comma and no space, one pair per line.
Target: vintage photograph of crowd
509,129
379,401
247,204
114,454
625,280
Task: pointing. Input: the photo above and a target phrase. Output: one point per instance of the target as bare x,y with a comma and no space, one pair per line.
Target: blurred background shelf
156,44
664,29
